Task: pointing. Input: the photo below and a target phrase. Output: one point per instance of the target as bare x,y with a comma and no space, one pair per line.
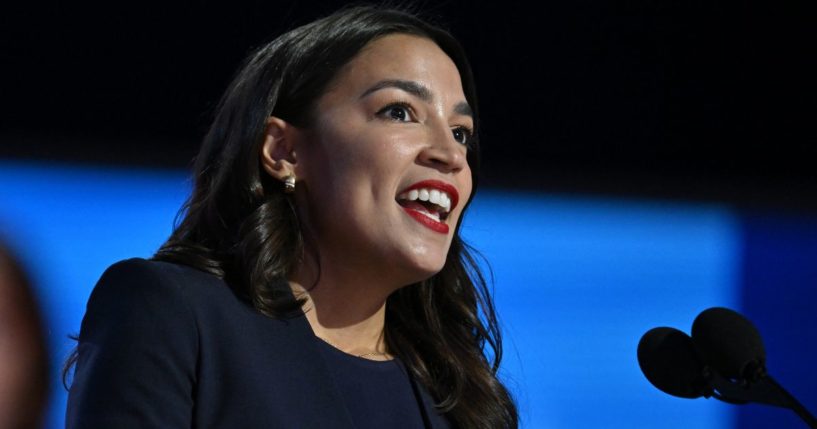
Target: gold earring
289,184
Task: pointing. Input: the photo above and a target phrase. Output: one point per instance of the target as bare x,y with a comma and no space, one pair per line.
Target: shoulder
137,283
149,292
175,304
138,347
138,298
142,275
136,294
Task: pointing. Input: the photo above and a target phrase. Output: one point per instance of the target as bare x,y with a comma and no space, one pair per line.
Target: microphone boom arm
763,391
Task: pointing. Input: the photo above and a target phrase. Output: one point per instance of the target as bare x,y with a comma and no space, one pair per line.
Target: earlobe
277,150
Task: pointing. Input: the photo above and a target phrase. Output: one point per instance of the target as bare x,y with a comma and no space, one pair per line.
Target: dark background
703,100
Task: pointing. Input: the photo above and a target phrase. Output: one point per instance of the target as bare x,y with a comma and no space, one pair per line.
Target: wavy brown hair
239,225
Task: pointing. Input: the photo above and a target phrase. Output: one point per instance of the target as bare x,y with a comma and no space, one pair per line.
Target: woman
317,278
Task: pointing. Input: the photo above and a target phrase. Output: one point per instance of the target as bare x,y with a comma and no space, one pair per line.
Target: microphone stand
764,391
794,404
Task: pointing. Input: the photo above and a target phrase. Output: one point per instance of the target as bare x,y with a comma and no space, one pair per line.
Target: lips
429,202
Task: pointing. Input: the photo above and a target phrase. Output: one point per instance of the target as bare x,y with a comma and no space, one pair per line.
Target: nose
443,153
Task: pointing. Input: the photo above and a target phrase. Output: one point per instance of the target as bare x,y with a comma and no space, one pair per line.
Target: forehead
404,57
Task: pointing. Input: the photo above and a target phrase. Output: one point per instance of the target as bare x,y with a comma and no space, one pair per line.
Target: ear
278,148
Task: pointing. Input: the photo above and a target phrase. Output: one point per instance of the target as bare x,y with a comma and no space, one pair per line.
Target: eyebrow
417,90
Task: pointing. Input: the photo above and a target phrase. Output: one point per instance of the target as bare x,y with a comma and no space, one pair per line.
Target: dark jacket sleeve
137,352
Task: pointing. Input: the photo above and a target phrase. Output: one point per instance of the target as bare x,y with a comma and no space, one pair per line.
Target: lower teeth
434,216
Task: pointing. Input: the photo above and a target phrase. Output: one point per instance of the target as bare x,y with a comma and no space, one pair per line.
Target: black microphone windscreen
668,359
729,343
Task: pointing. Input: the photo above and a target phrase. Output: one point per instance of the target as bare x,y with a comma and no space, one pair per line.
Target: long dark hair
239,225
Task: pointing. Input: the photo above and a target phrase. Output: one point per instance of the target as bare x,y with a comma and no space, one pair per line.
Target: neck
345,311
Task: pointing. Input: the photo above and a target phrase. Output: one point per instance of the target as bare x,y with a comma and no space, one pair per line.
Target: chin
416,263
423,270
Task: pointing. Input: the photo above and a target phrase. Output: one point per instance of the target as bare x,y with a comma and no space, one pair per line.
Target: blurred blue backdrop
577,280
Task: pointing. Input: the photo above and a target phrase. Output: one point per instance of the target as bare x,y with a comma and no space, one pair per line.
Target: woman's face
390,132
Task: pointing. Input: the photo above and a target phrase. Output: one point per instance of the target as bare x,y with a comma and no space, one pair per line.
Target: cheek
469,181
353,183
467,186
375,162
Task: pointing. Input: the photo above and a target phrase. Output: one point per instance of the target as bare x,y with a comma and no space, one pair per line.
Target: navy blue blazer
168,346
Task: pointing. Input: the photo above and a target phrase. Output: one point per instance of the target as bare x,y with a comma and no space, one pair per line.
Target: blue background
577,280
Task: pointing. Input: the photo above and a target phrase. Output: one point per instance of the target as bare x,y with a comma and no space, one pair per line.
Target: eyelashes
401,111
463,135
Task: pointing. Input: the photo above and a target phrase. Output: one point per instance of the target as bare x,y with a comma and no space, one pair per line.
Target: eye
462,135
399,112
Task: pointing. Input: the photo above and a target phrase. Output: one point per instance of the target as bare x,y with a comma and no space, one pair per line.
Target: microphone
730,343
724,358
668,359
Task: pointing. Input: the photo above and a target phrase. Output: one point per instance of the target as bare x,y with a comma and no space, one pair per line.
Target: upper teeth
434,196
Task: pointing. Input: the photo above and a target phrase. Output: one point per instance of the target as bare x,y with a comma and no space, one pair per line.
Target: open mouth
430,203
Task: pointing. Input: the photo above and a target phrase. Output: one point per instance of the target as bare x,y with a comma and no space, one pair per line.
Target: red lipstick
417,210
437,184
427,221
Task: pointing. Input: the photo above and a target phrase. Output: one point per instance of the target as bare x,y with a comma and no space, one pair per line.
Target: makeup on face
385,165
429,202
